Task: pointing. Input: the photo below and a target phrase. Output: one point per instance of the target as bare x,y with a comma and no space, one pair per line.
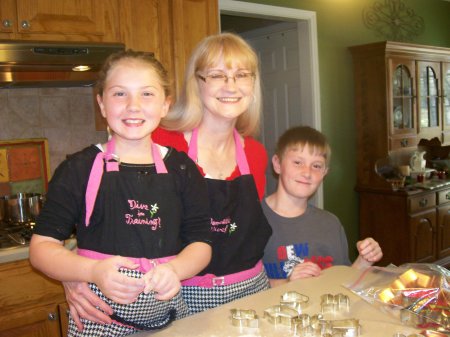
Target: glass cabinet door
428,100
402,94
445,95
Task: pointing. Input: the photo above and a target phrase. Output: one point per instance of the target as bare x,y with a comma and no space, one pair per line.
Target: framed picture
24,166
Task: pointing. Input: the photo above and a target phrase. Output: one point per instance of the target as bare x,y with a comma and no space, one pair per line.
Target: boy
305,239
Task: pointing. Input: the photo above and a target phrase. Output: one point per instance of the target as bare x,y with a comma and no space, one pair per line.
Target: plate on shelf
398,117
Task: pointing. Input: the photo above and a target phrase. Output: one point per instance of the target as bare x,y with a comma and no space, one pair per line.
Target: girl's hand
304,270
163,280
369,250
115,285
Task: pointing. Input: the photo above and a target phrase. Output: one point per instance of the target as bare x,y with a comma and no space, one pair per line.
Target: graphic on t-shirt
143,214
223,226
289,256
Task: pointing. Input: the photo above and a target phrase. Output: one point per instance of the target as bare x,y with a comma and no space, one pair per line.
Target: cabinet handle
25,24
423,202
404,142
6,23
447,196
52,316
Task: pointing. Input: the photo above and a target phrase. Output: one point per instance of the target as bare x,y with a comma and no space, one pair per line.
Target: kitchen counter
21,253
217,323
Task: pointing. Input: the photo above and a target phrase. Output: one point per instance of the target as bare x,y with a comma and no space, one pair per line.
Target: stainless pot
23,207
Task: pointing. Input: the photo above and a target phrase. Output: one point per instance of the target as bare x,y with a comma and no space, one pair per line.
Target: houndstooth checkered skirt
199,298
146,313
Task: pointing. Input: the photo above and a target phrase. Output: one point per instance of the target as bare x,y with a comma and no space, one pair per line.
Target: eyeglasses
220,78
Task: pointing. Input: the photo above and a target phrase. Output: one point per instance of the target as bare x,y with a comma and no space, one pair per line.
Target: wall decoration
24,166
393,20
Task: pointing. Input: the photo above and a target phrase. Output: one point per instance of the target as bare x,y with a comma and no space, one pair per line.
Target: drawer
421,202
443,196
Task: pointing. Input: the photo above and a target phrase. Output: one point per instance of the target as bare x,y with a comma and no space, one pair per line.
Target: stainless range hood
52,64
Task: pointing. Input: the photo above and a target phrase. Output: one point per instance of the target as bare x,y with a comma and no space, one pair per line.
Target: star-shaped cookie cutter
244,318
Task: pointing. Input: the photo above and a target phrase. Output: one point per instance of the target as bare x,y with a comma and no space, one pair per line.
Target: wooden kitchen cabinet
83,20
401,96
412,226
30,302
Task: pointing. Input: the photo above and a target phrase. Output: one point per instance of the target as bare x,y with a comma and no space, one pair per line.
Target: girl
138,208
214,120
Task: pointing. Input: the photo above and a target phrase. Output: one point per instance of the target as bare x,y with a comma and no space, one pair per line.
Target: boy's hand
115,285
369,250
304,270
163,280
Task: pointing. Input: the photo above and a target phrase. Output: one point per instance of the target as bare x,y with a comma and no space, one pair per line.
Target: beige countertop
15,254
217,322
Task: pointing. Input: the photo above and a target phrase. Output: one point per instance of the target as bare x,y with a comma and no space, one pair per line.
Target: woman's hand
83,303
304,270
163,280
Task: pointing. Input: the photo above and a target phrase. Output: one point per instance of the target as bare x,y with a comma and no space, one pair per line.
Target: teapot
417,161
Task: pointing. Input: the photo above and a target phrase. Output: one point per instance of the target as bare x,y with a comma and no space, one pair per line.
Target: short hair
187,112
133,55
304,136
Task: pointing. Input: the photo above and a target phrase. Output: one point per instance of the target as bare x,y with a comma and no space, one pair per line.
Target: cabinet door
36,322
7,18
429,112
67,20
445,101
401,96
443,232
63,309
192,20
422,237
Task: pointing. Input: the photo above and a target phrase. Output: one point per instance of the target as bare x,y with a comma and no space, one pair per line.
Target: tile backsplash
65,116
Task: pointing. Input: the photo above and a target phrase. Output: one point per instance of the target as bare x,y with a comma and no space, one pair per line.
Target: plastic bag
418,294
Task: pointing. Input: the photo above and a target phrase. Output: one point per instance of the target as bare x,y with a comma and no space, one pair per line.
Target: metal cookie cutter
345,327
294,300
279,314
244,318
334,303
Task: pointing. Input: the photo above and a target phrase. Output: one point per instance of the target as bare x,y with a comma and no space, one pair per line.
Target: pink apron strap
159,163
112,164
240,154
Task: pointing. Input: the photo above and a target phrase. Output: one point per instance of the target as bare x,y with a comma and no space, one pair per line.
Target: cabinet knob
52,316
423,202
404,142
447,196
25,24
6,23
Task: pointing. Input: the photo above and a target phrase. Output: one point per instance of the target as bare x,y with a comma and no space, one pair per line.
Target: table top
217,322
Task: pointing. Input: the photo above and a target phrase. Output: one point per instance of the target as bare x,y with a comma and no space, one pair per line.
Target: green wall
340,25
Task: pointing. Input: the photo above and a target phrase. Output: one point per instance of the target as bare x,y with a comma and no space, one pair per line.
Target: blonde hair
132,55
187,113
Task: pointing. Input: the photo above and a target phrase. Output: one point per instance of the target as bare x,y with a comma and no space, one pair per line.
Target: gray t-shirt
316,235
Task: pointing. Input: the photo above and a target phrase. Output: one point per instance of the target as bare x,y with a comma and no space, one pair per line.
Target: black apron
136,214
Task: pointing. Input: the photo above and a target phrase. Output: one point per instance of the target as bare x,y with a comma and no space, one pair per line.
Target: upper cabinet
82,20
401,96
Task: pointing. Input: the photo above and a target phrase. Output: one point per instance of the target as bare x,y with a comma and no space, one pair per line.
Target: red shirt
255,152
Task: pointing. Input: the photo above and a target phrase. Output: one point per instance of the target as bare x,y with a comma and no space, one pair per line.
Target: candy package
418,294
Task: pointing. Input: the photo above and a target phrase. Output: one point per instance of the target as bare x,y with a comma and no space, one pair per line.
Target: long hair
187,112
